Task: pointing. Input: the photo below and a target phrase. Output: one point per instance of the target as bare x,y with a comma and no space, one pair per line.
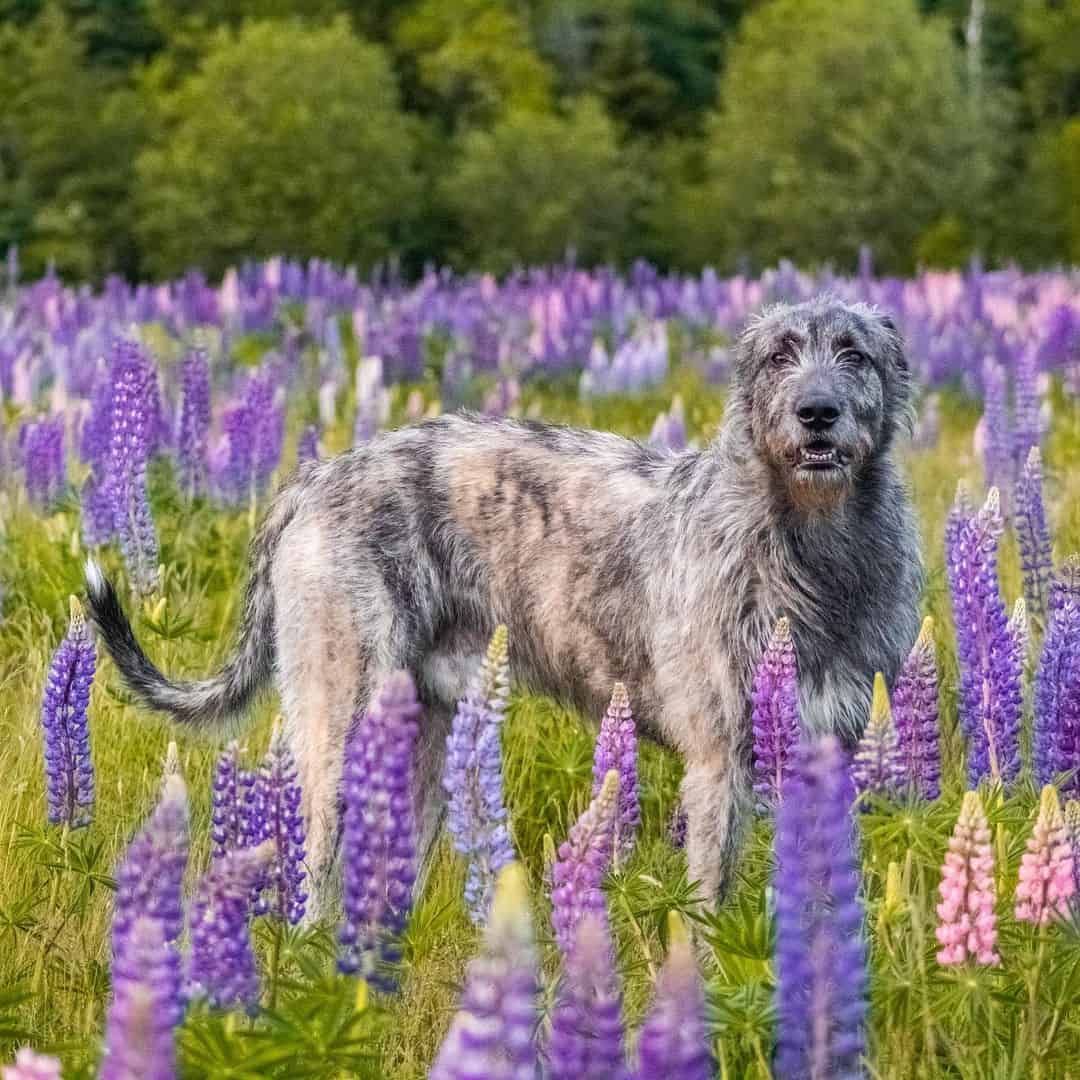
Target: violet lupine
586,1041
1027,407
1056,739
379,842
674,1041
307,447
476,813
1072,825
1020,630
275,817
145,1007
194,426
616,748
960,513
991,665
44,464
775,714
150,878
820,953
915,713
1047,882
996,430
1033,535
69,770
669,428
29,1065
267,418
967,926
584,859
232,799
493,1034
878,766
222,967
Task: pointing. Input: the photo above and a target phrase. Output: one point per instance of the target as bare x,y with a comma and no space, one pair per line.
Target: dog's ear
896,342
900,386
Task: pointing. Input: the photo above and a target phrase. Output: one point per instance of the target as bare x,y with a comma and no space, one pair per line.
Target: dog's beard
819,489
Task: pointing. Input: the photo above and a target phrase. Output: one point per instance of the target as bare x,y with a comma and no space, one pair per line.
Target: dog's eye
852,357
780,359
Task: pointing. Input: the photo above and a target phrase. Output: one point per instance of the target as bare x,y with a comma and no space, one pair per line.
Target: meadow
517,347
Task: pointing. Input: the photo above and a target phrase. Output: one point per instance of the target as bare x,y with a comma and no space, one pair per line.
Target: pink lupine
1046,871
968,926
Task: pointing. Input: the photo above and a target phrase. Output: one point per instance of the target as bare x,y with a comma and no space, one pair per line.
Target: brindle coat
606,559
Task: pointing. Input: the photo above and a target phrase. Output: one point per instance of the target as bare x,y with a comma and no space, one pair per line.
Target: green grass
55,892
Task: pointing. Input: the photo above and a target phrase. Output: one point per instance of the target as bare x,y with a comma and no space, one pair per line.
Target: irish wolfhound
606,559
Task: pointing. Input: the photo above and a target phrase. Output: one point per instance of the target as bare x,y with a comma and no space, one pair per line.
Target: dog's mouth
819,456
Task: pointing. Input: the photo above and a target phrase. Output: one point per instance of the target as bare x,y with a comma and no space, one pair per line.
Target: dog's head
823,387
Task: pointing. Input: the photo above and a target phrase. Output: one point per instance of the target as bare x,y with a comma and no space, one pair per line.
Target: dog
606,559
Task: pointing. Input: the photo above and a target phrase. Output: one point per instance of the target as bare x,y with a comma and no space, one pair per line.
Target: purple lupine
307,448
472,777
960,513
44,464
150,878
991,665
379,841
372,402
194,426
877,766
232,798
1056,739
1072,825
998,450
669,428
586,1041
29,1065
267,419
616,748
494,1032
1033,535
584,859
223,968
915,713
276,817
97,512
1027,424
775,714
820,953
674,1041
145,1007
69,770
233,467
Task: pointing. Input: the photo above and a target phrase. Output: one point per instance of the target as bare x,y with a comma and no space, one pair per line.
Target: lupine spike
1033,535
232,799
674,1043
775,715
493,1034
878,766
616,748
1047,882
69,770
476,815
379,843
29,1065
194,426
584,859
967,927
307,447
1020,628
998,451
820,954
223,968
915,713
1072,825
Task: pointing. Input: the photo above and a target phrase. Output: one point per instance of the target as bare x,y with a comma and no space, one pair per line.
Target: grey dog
606,559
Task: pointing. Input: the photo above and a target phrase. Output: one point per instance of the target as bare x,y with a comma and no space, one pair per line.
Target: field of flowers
910,910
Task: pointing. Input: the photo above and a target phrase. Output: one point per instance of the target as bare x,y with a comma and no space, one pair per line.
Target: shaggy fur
607,560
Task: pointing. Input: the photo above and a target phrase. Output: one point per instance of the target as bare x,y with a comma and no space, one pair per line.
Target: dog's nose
818,412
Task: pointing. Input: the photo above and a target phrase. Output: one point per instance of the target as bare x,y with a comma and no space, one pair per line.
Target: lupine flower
1020,629
379,842
145,1007
31,1066
586,1040
968,925
878,765
194,426
677,826
674,1042
1033,535
493,1034
372,400
915,713
1047,881
990,662
44,464
1027,425
669,428
223,968
1056,741
232,798
1072,825
616,748
584,859
476,814
307,448
69,770
775,698
96,510
960,513
820,953
998,450
276,817
267,419
150,879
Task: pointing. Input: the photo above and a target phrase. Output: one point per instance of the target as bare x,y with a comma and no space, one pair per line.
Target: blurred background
141,137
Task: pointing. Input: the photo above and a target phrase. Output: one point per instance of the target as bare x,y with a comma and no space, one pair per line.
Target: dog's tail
213,702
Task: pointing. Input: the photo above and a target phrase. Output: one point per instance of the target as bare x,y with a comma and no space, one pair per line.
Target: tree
287,139
537,185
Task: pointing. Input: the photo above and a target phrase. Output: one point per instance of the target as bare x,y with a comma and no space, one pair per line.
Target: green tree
288,139
1051,35
537,185
843,122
